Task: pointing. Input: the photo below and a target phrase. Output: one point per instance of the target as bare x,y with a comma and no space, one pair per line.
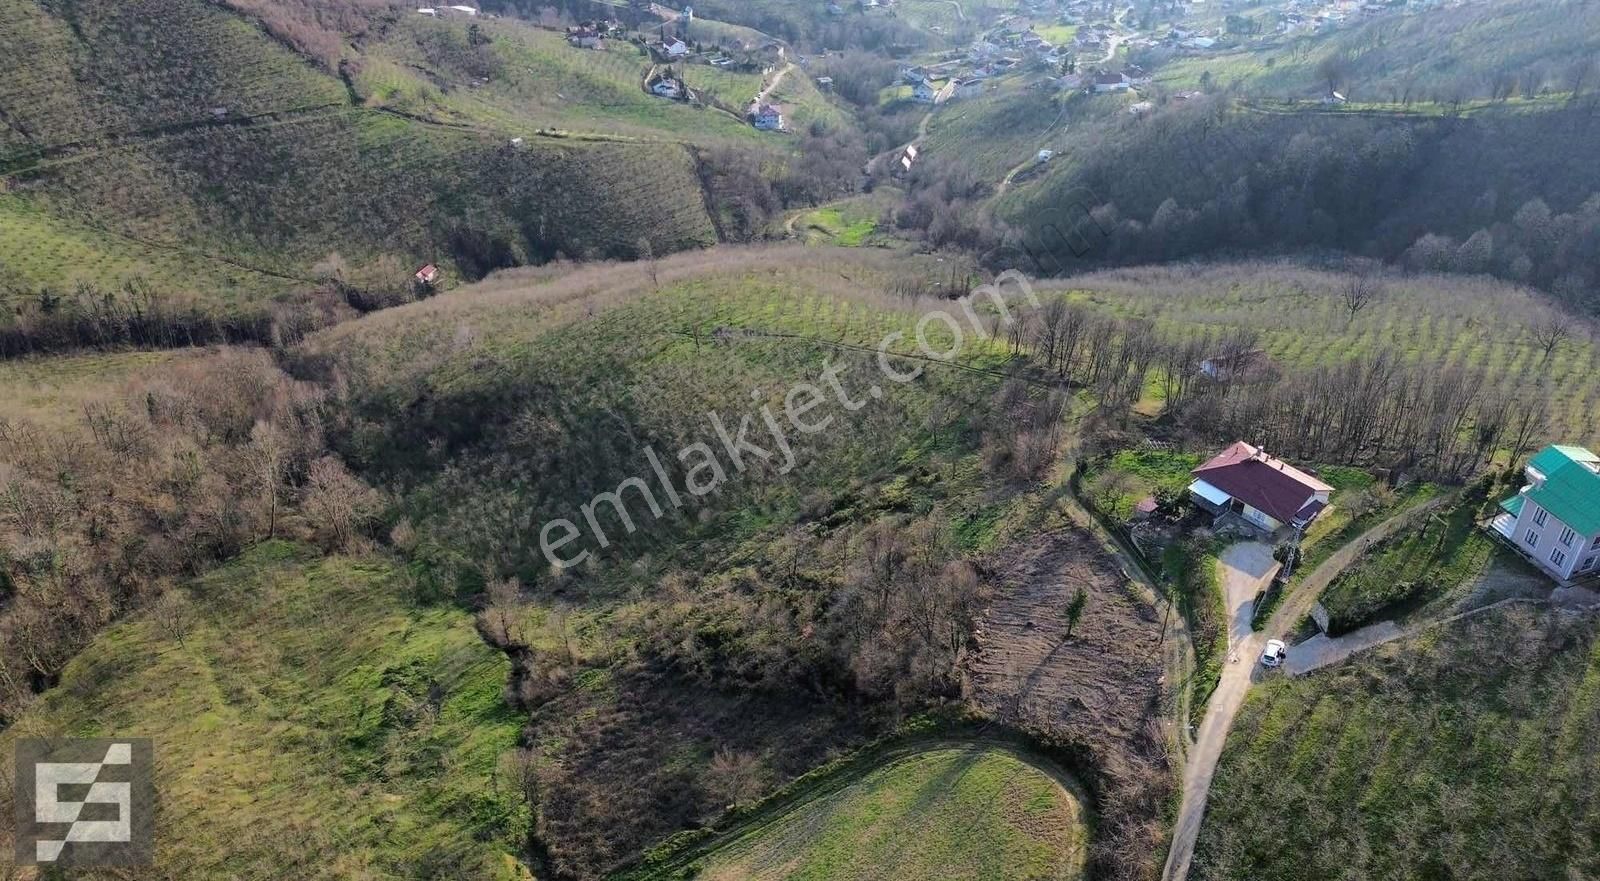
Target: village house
673,48
585,37
1246,482
766,117
1111,82
667,87
924,92
1554,520
427,274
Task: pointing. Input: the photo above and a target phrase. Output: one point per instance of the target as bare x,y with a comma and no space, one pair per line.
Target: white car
1274,654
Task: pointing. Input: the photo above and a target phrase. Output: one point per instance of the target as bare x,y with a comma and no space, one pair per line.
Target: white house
1265,491
766,117
675,48
667,87
1555,520
1112,82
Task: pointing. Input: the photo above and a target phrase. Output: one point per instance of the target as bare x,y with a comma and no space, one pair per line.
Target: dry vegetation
1092,685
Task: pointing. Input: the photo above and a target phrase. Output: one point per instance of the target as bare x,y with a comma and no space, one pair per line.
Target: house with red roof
1262,489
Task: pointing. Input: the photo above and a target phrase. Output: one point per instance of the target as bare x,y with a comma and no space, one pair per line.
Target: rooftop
1571,487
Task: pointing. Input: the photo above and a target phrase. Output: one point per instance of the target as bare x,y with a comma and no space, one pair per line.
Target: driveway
1322,649
1246,568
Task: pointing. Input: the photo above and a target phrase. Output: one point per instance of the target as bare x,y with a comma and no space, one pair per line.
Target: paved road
1239,675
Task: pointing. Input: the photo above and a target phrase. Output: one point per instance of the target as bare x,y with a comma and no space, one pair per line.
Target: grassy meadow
958,813
1466,752
310,720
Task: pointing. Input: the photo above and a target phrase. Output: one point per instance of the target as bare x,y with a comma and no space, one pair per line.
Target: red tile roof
1267,484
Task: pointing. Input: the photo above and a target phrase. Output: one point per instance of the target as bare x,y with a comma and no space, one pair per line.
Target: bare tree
1359,292
269,460
1549,332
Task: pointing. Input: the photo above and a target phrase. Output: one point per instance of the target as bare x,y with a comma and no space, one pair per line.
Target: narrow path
777,79
1242,671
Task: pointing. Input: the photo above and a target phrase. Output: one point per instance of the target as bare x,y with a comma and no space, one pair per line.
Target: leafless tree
1359,292
1549,332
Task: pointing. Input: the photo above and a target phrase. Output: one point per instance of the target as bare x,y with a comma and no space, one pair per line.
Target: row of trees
1443,418
99,514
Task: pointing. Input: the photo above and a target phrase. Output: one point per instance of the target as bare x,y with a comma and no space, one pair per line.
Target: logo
85,802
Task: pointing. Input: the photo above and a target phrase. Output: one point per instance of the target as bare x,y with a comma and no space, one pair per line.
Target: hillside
742,631
225,167
1496,191
1476,51
312,719
1465,752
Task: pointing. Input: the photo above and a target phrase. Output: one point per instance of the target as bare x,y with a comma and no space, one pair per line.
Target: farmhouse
667,87
586,37
924,92
766,117
1265,491
427,274
1112,82
1555,520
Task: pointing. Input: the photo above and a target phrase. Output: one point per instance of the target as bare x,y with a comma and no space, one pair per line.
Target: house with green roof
1555,520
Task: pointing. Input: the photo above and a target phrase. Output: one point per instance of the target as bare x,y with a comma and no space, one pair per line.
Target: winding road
1242,671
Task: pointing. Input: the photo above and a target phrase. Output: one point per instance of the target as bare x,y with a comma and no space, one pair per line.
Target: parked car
1275,653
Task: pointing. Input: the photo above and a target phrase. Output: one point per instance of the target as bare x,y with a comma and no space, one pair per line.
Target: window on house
1566,536
1540,515
1557,557
1532,538
1589,563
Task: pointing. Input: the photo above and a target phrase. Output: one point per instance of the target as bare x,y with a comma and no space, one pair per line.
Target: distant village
1082,45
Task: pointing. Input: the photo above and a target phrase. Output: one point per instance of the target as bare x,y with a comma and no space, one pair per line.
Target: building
427,274
766,117
1555,520
924,92
468,11
586,37
1263,490
1112,82
667,87
674,48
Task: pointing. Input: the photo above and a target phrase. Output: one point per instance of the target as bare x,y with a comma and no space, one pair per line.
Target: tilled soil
1098,690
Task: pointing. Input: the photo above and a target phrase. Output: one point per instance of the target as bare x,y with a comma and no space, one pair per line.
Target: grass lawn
1410,569
52,391
972,812
310,721
1467,752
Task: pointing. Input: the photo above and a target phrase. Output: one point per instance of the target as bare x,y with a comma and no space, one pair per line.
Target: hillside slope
311,719
182,145
1499,191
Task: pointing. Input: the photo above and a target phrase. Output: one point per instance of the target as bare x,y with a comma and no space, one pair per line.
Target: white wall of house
1555,547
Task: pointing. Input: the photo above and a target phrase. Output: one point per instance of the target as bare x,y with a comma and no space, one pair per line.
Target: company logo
85,802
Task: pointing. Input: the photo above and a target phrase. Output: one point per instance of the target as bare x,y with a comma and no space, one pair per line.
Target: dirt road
1242,671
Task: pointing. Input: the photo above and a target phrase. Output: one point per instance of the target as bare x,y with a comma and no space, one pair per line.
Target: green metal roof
1513,505
1554,457
1571,491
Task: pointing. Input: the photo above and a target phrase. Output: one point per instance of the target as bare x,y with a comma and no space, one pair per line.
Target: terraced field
1464,752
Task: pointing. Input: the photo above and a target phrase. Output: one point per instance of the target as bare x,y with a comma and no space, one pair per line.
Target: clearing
1101,688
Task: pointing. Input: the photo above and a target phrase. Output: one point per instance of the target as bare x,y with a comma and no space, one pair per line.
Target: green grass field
955,813
53,390
310,720
1466,752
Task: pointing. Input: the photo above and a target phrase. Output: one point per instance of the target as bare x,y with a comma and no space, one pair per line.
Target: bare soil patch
1097,693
